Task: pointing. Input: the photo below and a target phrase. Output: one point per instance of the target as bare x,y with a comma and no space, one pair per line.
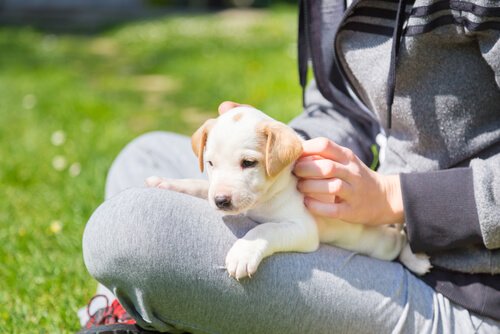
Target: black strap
319,21
323,18
396,41
303,49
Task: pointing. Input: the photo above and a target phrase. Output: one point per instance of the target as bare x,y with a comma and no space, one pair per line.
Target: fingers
228,105
311,158
330,187
320,169
327,149
327,198
331,210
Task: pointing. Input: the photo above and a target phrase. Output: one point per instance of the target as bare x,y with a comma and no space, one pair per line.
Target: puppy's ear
282,146
199,140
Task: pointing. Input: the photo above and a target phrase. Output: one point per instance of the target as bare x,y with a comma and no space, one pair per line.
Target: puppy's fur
249,159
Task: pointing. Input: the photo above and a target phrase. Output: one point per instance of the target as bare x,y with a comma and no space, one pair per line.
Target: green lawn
68,103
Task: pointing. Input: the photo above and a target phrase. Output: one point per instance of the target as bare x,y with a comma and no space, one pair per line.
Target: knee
102,229
138,228
119,233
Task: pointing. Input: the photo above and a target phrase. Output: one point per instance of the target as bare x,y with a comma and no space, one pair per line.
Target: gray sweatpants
161,253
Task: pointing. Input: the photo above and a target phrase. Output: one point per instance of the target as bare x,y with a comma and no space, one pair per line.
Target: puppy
249,159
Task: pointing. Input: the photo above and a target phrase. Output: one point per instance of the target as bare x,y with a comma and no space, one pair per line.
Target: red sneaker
112,319
108,315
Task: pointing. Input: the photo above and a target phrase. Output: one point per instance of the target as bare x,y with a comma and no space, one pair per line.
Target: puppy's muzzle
223,202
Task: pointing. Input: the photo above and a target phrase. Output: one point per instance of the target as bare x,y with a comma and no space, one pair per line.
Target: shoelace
110,314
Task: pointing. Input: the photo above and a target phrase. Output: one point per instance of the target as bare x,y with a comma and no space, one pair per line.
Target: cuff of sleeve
440,210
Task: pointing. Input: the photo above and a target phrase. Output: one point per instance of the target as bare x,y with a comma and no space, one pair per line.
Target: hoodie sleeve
486,174
453,208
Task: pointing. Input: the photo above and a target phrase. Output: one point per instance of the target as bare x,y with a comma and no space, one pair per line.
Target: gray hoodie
427,75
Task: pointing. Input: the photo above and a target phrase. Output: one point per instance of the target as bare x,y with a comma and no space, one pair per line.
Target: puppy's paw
422,265
419,263
153,181
193,187
243,258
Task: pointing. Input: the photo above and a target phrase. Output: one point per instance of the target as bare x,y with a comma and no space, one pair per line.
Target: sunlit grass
69,103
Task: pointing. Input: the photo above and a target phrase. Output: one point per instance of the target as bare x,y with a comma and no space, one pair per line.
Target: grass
69,103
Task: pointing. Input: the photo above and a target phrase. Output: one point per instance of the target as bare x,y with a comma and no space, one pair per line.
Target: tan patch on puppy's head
199,140
281,146
237,117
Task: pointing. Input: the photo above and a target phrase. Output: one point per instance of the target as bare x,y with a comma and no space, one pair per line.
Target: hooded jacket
426,75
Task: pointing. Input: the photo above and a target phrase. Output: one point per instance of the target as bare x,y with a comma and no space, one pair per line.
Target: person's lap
162,253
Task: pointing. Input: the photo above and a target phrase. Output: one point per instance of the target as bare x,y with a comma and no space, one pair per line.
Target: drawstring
396,40
303,48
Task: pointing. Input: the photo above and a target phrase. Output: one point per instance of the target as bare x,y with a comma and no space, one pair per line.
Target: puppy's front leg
193,187
246,254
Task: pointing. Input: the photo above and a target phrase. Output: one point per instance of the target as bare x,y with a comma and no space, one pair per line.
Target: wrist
394,198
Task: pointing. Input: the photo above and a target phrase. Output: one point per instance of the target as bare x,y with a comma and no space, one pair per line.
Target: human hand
337,184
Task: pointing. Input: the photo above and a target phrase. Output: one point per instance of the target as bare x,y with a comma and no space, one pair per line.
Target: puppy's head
243,151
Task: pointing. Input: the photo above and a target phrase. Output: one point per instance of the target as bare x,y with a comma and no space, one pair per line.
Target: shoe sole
115,329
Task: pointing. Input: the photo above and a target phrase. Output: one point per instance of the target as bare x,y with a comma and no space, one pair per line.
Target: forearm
394,198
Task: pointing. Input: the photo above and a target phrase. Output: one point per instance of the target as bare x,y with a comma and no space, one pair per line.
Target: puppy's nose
223,201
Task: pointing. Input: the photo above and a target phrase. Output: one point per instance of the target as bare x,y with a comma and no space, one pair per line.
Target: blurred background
81,78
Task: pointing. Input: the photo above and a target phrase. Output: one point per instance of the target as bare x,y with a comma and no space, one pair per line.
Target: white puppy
249,158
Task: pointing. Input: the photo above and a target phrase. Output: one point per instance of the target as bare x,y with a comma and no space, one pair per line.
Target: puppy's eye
248,163
210,163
